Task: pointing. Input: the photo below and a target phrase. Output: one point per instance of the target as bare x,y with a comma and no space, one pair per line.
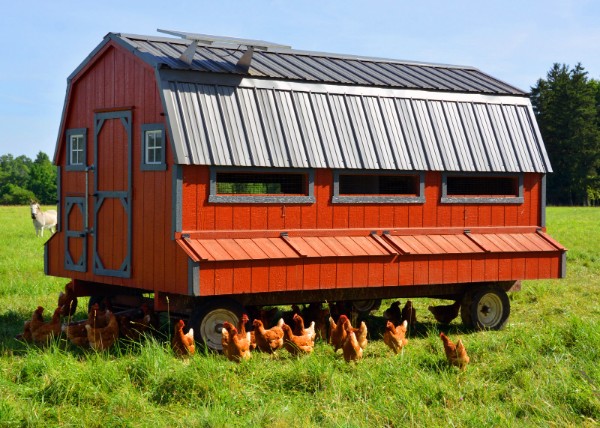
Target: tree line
23,180
567,107
566,104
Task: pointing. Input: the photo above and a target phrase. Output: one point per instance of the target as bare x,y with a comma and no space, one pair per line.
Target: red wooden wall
116,80
198,214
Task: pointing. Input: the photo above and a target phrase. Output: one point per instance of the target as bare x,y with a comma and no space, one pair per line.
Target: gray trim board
177,202
59,198
563,265
309,199
383,199
543,201
125,118
72,202
445,199
193,278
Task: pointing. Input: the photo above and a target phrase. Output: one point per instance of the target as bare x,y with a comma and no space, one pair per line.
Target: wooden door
112,193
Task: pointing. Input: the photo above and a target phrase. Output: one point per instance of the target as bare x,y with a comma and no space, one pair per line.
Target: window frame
381,199
160,165
261,199
445,199
70,133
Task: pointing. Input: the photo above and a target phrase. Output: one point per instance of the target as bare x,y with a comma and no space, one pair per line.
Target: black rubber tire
485,308
366,306
208,318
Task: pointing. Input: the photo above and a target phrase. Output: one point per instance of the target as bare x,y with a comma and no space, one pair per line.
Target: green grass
543,369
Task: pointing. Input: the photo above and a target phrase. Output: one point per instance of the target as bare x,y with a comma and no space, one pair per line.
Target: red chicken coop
213,174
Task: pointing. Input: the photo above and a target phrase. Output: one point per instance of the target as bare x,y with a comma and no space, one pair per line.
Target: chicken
76,333
134,328
36,320
42,332
337,332
456,354
98,318
351,348
267,340
444,314
409,313
102,338
238,347
296,345
225,341
361,335
393,313
67,301
299,329
315,312
395,337
183,343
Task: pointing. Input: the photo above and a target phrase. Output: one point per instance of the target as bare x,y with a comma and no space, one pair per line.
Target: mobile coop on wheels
213,174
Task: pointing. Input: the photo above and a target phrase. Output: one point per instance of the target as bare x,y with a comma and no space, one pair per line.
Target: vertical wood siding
113,80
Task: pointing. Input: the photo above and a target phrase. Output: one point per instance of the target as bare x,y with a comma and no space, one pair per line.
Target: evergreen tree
565,104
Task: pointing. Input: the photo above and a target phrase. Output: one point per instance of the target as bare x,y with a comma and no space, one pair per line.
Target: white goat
42,219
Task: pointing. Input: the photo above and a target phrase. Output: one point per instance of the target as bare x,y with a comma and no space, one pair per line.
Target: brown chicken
395,337
409,313
444,314
76,333
315,312
36,320
299,329
267,340
361,335
102,338
456,354
351,348
238,346
337,332
296,345
183,343
393,313
98,318
67,301
134,328
42,332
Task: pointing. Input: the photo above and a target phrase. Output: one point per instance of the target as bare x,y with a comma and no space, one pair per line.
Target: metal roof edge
89,58
63,118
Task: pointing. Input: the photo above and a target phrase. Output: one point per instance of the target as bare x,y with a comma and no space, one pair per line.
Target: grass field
543,369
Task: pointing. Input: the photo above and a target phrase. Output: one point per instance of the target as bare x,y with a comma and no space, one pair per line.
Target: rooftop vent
226,42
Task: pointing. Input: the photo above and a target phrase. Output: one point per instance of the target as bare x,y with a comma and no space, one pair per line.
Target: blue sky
42,42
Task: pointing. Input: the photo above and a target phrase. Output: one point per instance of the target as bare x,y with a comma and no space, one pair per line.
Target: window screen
372,185
495,187
242,183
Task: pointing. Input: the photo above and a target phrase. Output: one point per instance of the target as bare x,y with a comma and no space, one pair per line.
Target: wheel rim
212,324
363,305
489,310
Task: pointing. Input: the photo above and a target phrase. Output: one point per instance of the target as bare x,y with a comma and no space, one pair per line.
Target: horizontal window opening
273,184
492,187
372,185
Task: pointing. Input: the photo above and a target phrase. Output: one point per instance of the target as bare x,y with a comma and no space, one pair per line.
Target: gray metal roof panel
300,65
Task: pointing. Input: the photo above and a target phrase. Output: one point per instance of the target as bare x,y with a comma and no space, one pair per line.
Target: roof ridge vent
223,41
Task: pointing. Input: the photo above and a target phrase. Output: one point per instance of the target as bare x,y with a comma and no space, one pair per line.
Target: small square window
153,147
76,150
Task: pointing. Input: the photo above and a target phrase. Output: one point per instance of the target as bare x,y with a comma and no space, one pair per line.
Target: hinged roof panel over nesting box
235,102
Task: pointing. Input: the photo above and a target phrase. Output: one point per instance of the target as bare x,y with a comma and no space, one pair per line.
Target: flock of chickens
102,328
298,339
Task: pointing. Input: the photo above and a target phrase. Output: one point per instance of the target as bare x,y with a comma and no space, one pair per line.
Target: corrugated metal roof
284,247
251,122
291,64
